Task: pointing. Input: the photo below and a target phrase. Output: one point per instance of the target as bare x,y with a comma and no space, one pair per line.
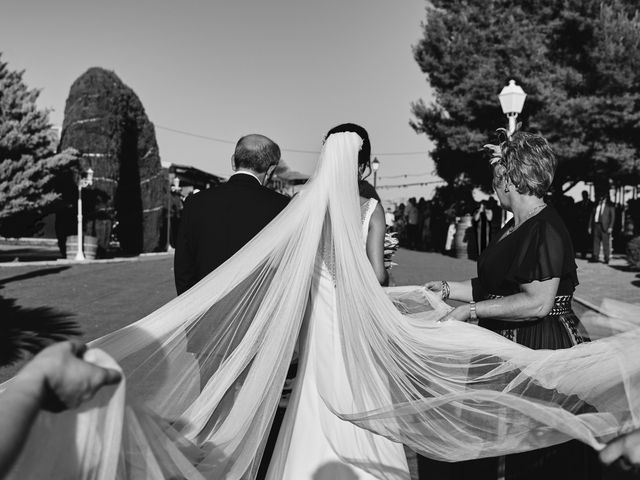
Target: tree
106,121
29,170
577,60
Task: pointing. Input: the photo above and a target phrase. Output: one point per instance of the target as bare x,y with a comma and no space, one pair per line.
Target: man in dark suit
216,223
583,214
601,227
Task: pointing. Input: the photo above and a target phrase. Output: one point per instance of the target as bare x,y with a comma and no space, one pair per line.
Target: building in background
190,179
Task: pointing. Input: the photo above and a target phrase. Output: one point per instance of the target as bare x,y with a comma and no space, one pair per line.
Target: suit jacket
218,222
607,216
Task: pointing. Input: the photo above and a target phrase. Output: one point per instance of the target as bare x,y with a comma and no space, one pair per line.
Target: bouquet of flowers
391,244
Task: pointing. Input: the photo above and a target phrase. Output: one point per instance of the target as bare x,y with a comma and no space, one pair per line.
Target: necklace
531,213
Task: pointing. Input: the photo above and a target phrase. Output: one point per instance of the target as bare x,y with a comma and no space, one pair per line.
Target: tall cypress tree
29,170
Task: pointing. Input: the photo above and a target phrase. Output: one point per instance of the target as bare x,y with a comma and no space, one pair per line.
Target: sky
288,69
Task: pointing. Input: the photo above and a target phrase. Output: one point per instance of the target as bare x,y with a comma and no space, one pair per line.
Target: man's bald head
256,152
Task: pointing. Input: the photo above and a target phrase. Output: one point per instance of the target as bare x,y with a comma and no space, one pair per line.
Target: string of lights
405,185
289,150
406,175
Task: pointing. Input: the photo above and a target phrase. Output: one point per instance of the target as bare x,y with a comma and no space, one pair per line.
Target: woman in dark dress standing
526,279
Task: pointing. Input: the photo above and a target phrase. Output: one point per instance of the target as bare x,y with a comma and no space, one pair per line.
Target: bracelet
473,314
446,291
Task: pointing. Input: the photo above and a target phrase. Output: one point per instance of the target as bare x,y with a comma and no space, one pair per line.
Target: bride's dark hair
364,155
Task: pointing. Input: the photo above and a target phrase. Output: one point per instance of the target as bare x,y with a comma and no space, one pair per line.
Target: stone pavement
616,280
416,268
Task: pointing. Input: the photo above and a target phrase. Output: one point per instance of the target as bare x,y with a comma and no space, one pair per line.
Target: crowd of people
597,227
429,225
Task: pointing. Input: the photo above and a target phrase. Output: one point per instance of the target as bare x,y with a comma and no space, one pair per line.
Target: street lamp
375,165
83,182
512,100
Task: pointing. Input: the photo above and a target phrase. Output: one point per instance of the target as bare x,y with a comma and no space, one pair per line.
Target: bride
371,378
305,449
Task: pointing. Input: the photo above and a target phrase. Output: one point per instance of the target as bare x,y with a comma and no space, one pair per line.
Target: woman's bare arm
375,245
535,300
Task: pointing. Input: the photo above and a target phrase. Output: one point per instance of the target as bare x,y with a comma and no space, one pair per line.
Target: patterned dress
538,250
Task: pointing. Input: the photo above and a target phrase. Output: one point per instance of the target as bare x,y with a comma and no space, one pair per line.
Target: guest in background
175,212
426,226
482,226
400,223
601,227
451,220
389,219
412,215
583,211
618,240
422,205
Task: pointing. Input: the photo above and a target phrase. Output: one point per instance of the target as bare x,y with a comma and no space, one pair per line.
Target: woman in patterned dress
523,291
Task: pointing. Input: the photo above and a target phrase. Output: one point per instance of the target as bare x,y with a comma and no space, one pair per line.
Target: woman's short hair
528,162
364,155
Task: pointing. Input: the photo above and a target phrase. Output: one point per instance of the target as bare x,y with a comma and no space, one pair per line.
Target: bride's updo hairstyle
364,155
527,162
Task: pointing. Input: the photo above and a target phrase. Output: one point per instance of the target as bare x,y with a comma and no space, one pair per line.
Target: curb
64,261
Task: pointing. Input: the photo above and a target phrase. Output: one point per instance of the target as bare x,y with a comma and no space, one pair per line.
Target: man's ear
233,163
269,173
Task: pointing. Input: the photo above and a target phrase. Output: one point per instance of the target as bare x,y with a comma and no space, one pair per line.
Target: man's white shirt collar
244,172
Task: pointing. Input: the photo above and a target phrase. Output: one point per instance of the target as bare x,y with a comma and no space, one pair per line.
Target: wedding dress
204,373
304,449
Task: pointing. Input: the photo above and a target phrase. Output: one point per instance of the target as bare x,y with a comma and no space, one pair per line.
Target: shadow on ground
25,327
35,273
625,268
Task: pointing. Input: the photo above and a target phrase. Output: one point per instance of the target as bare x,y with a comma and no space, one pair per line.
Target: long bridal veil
204,373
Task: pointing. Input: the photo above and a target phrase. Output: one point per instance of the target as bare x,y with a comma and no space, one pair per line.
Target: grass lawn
100,297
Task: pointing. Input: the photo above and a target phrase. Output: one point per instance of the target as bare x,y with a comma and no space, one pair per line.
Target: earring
506,189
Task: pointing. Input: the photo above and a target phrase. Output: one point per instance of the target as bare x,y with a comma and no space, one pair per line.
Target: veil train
205,372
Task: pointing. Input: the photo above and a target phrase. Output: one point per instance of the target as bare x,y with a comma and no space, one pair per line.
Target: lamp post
83,182
375,165
512,100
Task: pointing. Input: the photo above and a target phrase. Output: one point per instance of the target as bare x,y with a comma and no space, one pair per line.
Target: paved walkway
616,280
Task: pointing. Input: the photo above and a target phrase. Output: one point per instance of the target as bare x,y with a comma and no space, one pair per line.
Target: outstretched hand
62,379
625,448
